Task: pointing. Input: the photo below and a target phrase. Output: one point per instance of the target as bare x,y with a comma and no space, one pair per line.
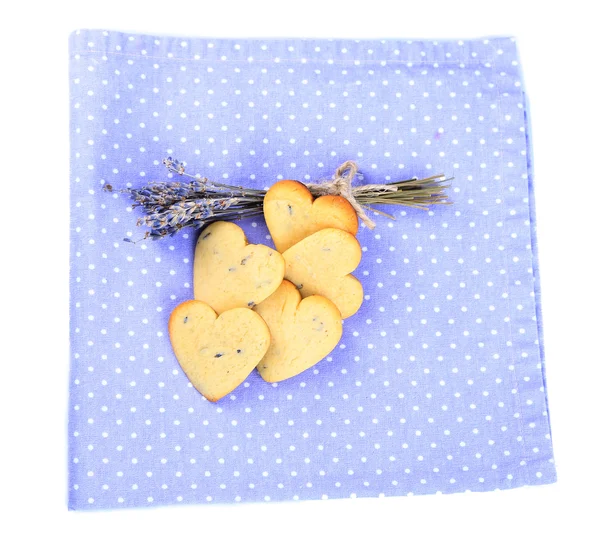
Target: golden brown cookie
229,272
217,353
292,213
320,265
303,331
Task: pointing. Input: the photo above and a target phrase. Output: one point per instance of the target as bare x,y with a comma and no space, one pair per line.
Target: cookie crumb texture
230,273
217,353
303,332
292,213
321,265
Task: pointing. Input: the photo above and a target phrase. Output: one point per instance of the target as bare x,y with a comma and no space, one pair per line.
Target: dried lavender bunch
171,206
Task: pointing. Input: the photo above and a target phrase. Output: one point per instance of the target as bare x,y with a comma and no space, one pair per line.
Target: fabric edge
534,239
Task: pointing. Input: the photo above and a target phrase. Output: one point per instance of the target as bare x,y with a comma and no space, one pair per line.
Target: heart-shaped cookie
303,331
320,265
217,353
292,214
229,272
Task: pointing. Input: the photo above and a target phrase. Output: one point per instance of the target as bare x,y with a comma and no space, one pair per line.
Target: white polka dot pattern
438,383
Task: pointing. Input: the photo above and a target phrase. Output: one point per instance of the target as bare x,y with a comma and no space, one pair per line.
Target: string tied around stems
341,185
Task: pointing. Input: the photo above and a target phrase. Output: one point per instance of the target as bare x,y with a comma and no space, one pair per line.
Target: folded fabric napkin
438,383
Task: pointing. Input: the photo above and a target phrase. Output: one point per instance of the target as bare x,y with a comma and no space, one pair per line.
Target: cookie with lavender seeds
229,272
303,332
217,353
321,265
292,213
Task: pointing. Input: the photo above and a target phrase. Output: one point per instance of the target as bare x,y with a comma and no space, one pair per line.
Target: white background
559,49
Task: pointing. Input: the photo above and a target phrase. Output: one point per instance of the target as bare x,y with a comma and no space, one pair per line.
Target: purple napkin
438,383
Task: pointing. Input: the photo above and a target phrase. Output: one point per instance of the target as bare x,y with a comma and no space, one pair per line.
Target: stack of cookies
279,311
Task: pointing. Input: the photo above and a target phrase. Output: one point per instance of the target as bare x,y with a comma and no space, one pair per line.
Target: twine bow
341,185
